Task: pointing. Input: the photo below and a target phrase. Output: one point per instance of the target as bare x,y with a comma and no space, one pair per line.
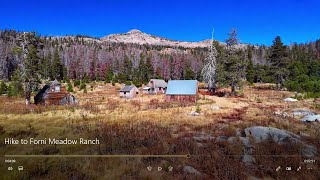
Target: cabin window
57,89
124,92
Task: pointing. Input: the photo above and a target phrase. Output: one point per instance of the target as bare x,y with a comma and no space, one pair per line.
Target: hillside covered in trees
27,58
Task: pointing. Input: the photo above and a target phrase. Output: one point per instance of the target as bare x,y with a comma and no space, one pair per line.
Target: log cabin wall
189,98
54,97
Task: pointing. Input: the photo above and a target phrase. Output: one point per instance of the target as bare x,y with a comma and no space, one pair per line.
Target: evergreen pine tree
149,72
70,88
45,66
279,61
250,67
16,86
56,66
109,75
234,63
189,73
3,88
141,73
32,71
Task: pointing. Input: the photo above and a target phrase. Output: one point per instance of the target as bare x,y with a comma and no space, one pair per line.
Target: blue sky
257,22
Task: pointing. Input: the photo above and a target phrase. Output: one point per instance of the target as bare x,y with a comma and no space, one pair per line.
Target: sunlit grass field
149,125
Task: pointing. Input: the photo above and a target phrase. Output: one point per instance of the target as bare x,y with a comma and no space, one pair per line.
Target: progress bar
99,156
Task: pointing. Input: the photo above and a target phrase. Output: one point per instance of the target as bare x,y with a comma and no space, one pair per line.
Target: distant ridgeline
78,57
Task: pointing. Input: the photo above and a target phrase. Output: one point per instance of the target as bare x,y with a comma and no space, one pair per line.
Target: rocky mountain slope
137,37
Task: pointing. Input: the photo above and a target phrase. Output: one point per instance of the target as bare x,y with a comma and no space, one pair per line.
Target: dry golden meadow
149,125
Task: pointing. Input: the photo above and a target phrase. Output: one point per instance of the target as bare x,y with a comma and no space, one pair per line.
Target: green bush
305,85
128,83
72,109
109,76
86,79
298,96
137,83
312,95
198,109
12,91
70,88
83,85
259,100
3,88
76,83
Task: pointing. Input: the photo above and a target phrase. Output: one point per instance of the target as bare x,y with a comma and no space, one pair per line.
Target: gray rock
282,114
309,151
238,132
245,142
304,134
260,133
309,118
191,170
232,140
215,107
290,100
242,140
221,139
203,137
247,159
302,113
193,113
248,147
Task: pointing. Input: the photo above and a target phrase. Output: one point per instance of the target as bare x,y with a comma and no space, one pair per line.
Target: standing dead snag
209,70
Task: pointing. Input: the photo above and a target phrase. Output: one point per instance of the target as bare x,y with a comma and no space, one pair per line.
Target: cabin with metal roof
54,94
182,90
155,86
129,91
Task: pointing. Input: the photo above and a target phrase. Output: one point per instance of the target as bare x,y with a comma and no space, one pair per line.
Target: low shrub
76,83
3,88
70,88
136,104
112,104
198,109
259,100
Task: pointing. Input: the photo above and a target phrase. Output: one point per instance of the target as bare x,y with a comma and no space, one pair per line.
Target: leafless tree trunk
209,70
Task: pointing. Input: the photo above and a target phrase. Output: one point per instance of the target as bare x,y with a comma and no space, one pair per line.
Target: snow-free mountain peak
138,37
134,31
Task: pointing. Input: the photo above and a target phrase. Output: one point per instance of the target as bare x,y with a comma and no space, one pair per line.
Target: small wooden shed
54,94
182,90
129,91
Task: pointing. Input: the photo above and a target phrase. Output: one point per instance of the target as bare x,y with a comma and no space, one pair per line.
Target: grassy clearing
149,125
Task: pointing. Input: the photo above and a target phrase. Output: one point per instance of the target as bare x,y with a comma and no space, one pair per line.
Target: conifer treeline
296,67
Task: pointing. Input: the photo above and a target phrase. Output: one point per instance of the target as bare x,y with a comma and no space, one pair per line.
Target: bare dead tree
23,44
209,69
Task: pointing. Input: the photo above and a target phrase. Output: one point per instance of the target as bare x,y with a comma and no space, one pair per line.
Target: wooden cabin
54,94
129,91
182,90
155,86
